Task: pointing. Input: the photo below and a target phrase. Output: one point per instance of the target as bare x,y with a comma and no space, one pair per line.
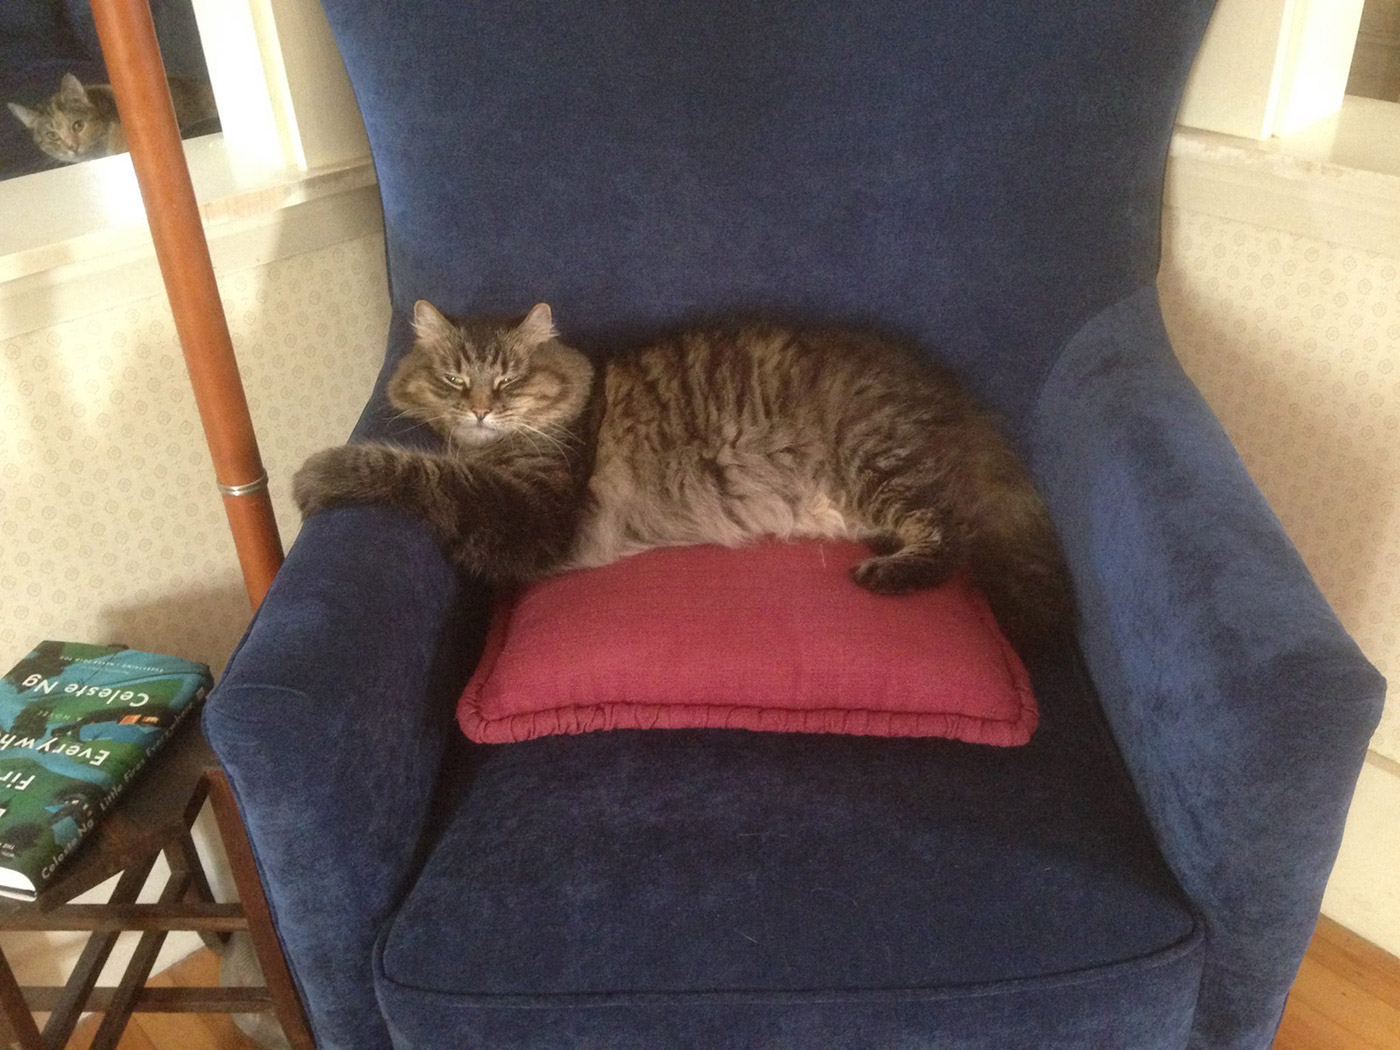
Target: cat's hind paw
901,572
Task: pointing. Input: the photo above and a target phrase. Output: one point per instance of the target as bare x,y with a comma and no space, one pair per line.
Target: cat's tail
1015,554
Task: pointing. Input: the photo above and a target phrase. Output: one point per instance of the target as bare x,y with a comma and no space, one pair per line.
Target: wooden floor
1347,998
175,1031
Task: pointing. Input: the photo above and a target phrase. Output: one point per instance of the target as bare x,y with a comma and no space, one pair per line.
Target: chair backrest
978,176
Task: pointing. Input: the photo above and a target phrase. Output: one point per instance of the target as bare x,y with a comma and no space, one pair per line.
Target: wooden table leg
184,858
285,999
123,1003
64,1017
22,1029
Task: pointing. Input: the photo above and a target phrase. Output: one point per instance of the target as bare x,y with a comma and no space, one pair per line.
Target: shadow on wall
202,624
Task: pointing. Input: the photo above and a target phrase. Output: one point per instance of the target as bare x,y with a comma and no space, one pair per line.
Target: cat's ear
429,324
538,326
71,90
28,117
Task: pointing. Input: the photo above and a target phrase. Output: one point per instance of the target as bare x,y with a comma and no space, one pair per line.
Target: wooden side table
152,818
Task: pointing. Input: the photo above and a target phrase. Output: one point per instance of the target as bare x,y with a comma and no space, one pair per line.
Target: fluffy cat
80,122
719,435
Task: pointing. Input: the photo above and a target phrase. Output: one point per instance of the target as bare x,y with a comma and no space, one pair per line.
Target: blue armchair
984,178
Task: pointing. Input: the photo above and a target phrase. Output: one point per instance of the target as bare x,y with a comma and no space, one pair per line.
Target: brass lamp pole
134,64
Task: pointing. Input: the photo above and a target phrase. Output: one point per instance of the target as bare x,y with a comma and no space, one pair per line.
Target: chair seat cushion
774,636
741,890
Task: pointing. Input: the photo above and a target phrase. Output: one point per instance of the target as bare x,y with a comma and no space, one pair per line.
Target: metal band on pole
259,485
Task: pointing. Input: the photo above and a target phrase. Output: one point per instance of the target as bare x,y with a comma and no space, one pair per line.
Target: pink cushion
771,637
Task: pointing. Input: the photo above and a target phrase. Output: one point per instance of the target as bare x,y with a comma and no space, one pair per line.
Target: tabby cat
80,122
719,435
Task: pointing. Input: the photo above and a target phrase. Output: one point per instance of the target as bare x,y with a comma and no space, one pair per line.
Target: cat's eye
453,379
77,125
502,382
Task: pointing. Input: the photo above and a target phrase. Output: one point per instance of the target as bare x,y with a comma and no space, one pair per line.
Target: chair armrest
332,720
1241,706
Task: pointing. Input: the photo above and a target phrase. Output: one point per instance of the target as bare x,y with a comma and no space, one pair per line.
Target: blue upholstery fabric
594,879
333,718
1241,706
980,177
984,178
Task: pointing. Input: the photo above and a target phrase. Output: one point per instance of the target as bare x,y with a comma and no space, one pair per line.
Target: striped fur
716,435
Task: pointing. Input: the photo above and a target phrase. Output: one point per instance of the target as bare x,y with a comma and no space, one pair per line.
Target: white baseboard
1364,892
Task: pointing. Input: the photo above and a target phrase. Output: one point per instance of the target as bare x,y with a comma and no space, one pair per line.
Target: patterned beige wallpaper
1295,342
111,528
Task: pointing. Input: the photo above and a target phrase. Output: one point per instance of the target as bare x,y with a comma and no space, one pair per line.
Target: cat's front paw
336,477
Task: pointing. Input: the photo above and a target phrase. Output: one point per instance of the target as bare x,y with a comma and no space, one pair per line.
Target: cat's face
477,381
68,127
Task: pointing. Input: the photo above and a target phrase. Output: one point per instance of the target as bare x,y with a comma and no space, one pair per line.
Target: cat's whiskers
412,417
529,437
554,439
444,423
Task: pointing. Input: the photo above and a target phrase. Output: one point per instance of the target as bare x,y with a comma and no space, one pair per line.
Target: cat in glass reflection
80,121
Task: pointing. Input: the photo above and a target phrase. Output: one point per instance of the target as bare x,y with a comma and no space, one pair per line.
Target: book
77,723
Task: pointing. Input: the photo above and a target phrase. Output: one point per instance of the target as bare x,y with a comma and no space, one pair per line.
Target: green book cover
76,723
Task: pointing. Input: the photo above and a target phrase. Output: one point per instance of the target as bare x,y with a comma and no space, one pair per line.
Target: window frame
1271,68
290,169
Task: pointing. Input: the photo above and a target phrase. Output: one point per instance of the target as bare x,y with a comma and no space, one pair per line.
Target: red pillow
774,636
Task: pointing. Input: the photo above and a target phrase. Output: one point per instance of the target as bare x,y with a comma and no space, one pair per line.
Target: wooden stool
153,817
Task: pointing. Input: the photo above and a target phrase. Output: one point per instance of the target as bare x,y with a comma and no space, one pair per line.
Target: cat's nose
481,414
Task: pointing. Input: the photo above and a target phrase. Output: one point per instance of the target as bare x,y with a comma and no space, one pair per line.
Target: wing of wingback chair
984,178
